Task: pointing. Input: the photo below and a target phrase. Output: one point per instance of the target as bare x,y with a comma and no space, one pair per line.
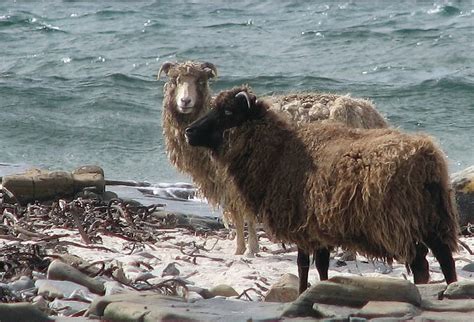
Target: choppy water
78,79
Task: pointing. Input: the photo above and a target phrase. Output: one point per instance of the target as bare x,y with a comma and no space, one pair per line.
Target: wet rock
149,306
376,309
98,306
469,267
286,289
431,291
448,305
463,185
109,195
354,291
58,270
428,316
170,270
223,290
68,307
22,312
89,176
460,290
140,312
41,303
23,283
60,289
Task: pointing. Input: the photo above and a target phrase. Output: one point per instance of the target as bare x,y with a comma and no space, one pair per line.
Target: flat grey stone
448,305
353,291
469,267
23,283
68,307
155,307
377,309
22,312
429,316
62,289
144,313
58,270
431,291
460,290
98,306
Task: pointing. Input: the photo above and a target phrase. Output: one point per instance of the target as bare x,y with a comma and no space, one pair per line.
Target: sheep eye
228,113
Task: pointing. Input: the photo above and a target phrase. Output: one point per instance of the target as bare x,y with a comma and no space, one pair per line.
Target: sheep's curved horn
246,95
210,66
165,68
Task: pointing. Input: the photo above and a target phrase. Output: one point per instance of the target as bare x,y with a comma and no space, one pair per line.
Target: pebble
223,290
286,289
469,267
58,270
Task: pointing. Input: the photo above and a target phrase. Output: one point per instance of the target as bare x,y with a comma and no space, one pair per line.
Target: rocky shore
89,255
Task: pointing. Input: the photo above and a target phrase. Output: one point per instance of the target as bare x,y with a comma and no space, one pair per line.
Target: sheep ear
247,98
165,68
211,69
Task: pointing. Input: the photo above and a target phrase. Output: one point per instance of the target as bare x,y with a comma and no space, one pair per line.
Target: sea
78,79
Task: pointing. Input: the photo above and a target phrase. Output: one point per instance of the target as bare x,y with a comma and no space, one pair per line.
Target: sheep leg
444,256
253,239
419,266
240,238
303,269
321,258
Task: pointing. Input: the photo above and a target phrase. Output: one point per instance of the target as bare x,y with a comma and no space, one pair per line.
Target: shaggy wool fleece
376,191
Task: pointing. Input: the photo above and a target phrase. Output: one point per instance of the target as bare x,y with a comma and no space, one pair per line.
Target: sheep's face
231,109
189,82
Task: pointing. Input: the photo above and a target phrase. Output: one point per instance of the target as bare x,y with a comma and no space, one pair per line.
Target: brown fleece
376,192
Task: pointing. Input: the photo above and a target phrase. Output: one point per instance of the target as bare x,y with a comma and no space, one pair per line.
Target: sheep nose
186,100
190,130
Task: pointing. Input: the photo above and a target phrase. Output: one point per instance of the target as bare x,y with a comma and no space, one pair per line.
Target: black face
231,109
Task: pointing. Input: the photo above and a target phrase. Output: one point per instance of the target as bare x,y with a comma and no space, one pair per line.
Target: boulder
36,184
22,312
149,306
460,290
89,176
377,309
284,290
448,305
463,185
354,291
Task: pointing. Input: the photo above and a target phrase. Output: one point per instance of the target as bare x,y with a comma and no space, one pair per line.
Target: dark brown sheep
380,192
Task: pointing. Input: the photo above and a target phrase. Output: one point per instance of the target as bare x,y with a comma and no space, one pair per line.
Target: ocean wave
445,10
120,77
173,191
110,13
415,31
230,25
